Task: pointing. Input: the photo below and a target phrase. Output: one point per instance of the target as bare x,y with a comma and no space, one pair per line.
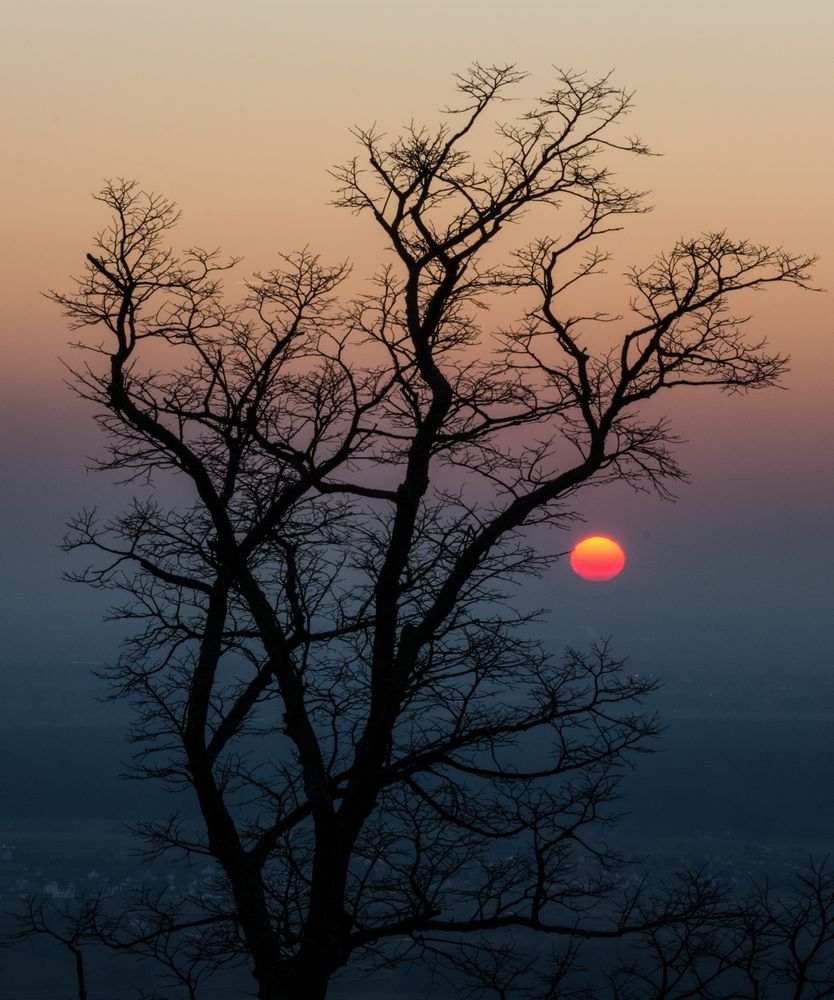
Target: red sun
597,558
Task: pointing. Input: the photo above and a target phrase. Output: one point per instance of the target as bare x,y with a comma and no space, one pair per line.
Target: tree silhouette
327,654
70,924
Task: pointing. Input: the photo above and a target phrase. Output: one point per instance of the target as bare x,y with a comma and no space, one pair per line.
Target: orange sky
237,110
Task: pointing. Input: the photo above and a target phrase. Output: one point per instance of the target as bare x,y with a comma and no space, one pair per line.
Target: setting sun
597,558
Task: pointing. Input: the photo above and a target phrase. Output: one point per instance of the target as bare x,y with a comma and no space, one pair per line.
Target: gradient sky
237,110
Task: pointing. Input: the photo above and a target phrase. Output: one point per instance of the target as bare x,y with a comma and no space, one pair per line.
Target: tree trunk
79,973
294,981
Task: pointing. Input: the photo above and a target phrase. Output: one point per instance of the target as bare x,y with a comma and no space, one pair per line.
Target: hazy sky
237,110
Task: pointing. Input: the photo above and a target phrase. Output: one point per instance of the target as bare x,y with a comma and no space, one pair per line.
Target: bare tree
182,933
327,652
798,934
190,943
768,946
69,923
